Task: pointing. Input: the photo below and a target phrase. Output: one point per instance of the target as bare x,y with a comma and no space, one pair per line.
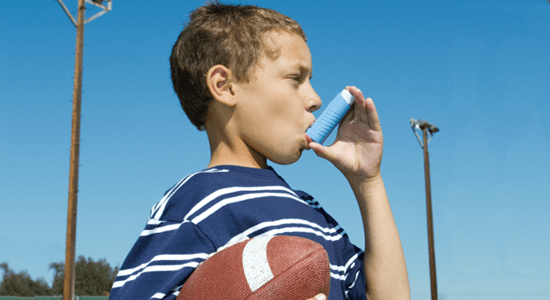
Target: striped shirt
211,210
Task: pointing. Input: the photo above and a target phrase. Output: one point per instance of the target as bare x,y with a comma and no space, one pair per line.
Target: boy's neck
234,153
218,159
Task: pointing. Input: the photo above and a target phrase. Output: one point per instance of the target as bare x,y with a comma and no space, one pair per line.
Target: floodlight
422,125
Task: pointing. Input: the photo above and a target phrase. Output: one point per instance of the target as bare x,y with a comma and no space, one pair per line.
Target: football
264,267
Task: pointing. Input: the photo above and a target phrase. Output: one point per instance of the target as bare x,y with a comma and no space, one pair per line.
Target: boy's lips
309,140
311,125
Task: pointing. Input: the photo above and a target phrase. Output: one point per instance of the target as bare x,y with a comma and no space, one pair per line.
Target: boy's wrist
364,181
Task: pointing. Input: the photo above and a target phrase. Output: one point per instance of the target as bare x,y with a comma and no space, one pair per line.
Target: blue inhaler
331,116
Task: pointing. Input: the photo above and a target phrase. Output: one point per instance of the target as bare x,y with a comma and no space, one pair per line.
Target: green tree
57,284
21,284
92,278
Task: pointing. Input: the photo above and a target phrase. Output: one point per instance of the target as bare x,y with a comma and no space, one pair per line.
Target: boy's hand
357,153
318,297
357,150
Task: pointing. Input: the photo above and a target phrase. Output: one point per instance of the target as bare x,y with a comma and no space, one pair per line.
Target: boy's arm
357,153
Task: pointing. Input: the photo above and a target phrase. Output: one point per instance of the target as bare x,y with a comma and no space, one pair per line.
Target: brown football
265,267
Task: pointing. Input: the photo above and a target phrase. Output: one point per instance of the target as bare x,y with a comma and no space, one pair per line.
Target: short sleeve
164,256
355,286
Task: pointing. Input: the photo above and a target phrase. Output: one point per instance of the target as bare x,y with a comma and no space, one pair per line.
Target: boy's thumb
321,151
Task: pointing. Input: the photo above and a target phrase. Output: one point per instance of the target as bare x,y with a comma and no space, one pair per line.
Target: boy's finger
372,115
360,103
319,297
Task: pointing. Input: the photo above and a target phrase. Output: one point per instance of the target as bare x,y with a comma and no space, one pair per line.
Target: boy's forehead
289,49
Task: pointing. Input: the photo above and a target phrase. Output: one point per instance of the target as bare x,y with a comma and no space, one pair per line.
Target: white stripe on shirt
168,195
281,231
230,190
338,276
162,204
243,235
340,269
164,257
240,198
160,229
350,261
162,268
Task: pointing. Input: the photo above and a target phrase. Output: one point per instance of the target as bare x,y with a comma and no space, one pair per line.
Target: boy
242,73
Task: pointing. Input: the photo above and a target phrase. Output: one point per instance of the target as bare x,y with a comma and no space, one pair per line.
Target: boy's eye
297,78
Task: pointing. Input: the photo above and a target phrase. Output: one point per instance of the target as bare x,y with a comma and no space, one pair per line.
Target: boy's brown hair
230,35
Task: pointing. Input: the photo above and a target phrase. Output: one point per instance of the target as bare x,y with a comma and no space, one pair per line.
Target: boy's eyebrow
305,69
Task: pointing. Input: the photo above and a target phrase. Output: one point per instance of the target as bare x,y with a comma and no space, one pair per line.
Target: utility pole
69,279
426,127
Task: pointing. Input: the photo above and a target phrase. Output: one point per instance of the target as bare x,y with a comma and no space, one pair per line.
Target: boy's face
274,109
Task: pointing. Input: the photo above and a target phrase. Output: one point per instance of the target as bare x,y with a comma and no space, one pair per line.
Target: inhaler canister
331,116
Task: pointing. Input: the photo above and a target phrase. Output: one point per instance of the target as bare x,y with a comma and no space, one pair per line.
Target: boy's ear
220,83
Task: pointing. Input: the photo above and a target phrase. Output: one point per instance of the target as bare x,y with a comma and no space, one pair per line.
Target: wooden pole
433,278
68,282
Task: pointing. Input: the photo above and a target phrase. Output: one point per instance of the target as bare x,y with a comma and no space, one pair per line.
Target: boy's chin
286,159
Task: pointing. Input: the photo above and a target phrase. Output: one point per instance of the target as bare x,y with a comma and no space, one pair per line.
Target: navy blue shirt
210,210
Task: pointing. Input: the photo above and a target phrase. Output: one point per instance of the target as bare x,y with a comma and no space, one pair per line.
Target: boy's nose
313,102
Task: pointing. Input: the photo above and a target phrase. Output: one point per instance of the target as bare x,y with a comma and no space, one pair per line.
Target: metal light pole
426,127
68,281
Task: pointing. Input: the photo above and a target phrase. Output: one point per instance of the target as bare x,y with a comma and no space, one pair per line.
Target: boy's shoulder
205,188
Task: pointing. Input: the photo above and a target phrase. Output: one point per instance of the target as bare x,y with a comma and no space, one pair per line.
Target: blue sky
479,70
